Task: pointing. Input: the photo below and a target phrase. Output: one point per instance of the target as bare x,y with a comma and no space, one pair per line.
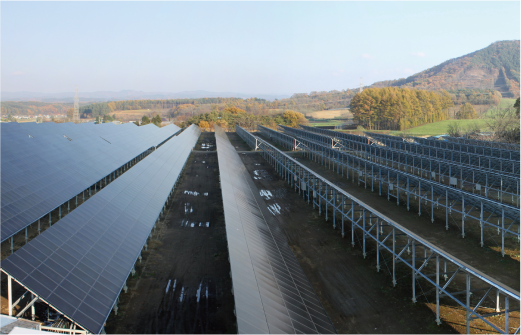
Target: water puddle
192,225
182,293
266,194
206,194
188,208
274,209
198,294
207,224
262,174
194,193
168,286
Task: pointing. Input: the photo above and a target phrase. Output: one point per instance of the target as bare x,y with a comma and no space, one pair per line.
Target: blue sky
247,47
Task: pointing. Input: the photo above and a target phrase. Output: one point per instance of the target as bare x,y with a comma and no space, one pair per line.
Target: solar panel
80,264
59,161
272,293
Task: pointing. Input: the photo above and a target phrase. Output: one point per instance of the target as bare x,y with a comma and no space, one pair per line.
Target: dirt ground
193,258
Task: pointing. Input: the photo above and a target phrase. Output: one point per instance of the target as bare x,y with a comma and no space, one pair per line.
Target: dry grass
330,114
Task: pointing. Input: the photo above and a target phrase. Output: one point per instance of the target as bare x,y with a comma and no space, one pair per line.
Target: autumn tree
145,120
204,125
293,119
466,112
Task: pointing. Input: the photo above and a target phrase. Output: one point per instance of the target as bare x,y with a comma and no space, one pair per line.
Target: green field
439,128
505,103
325,123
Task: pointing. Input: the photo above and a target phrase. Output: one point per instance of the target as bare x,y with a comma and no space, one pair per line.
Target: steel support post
10,294
438,321
377,245
363,232
413,271
394,257
467,306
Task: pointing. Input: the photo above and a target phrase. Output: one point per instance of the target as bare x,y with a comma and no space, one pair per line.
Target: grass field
325,123
505,103
440,128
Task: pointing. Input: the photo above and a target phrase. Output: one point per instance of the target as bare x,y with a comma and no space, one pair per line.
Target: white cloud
367,56
418,54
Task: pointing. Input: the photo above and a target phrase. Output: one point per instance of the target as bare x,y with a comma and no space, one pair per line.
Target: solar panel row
80,264
272,293
45,165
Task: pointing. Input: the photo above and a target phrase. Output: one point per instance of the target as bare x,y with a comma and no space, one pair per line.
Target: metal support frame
424,191
504,165
321,192
490,183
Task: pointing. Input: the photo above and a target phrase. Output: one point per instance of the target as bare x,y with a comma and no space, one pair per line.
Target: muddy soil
183,284
355,296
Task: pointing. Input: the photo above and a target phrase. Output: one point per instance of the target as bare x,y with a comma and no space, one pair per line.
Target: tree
293,119
516,106
466,112
145,120
157,120
204,125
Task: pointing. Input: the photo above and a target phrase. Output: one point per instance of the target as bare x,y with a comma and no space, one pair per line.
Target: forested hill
494,67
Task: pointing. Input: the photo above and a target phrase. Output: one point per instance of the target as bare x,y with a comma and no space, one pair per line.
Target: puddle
192,225
266,194
207,145
204,162
182,293
274,209
207,224
262,174
194,193
168,286
206,194
188,208
257,164
199,291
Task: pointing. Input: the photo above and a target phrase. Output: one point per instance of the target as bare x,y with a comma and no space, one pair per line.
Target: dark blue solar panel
59,161
80,264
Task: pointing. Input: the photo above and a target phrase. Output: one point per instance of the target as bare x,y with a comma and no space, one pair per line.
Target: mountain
128,95
494,67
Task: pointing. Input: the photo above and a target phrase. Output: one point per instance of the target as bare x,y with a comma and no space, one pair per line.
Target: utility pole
361,83
76,115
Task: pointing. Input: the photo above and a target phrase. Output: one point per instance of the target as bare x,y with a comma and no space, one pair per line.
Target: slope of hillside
494,67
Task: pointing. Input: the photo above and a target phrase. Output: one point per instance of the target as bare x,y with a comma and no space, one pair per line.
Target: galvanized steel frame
424,166
428,263
482,162
490,144
458,147
482,210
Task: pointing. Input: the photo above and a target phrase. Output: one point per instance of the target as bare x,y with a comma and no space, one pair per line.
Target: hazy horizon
269,48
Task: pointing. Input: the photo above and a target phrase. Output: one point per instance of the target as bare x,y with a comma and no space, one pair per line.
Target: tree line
399,108
233,116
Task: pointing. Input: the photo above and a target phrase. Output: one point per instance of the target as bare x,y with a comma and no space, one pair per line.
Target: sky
245,47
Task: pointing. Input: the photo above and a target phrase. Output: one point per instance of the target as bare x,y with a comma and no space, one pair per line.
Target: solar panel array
80,265
272,293
45,165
